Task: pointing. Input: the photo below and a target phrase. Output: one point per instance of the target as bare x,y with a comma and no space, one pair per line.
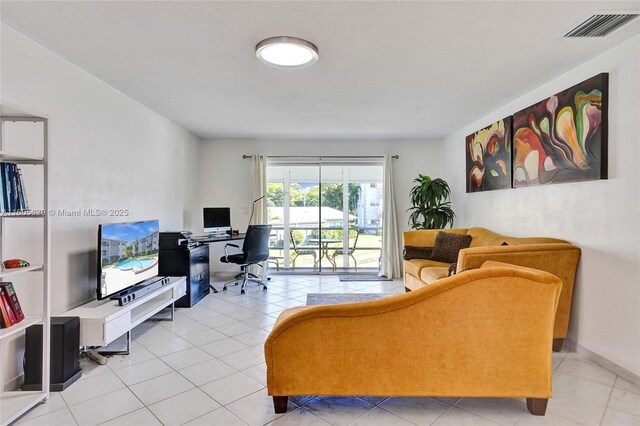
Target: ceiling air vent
600,25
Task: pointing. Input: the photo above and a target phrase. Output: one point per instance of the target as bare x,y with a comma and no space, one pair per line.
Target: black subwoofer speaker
65,345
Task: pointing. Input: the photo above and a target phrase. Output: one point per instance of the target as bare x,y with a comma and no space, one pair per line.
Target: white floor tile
137,354
235,328
231,388
255,409
503,411
184,407
257,373
338,410
186,358
613,417
223,347
159,388
576,365
169,346
206,372
378,416
92,387
252,338
456,417
141,417
60,417
628,402
244,359
54,403
421,411
218,417
203,337
299,417
549,419
144,371
104,408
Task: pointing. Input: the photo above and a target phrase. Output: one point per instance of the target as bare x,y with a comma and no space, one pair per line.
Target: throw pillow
448,245
413,252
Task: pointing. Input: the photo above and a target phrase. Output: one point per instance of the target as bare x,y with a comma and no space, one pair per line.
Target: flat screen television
128,255
217,220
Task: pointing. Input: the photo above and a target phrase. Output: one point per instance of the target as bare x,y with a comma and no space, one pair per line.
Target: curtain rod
395,157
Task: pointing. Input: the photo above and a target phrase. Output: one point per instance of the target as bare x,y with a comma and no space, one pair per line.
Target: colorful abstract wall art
489,157
564,137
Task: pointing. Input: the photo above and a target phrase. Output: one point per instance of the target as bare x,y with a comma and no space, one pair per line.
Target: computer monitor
217,220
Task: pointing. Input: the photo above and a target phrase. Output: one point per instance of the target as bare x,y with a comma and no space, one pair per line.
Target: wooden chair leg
537,406
557,345
280,404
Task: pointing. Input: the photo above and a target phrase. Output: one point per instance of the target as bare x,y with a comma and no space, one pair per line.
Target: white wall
106,151
226,177
601,217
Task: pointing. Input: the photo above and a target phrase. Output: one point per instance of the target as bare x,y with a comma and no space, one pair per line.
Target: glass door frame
317,161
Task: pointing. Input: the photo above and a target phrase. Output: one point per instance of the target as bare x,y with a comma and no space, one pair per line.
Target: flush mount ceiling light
287,52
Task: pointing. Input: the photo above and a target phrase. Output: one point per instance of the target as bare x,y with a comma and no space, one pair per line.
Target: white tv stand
103,321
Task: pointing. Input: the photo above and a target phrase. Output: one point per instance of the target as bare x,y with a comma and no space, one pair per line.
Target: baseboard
603,362
13,384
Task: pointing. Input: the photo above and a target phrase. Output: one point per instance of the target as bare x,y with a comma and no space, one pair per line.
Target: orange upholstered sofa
547,254
481,333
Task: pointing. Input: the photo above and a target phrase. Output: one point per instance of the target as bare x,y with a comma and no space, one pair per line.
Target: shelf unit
14,404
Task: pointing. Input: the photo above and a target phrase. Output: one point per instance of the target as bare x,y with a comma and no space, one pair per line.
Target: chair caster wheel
241,291
236,284
264,288
224,288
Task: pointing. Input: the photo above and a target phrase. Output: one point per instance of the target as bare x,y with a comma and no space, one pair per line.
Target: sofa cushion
413,252
448,245
414,266
433,273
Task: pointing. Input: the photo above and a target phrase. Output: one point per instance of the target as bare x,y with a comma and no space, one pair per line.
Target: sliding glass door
326,214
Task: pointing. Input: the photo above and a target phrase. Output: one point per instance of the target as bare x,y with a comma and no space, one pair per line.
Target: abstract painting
564,137
489,157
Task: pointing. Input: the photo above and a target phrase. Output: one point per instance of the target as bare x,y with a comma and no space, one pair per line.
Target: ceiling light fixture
287,52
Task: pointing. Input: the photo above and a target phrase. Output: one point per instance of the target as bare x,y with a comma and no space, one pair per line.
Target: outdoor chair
350,251
302,252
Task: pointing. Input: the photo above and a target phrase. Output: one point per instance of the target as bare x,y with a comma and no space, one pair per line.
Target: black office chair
254,250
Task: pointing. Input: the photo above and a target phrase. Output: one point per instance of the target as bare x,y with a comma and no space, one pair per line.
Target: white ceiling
387,70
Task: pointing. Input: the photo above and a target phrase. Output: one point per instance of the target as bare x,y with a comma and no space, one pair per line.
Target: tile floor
207,368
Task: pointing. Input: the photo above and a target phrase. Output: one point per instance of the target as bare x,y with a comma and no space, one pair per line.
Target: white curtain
259,189
390,256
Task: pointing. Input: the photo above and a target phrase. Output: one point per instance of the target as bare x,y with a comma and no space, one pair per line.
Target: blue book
3,207
11,200
22,202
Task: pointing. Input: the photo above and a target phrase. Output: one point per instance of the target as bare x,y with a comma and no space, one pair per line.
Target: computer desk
208,239
217,239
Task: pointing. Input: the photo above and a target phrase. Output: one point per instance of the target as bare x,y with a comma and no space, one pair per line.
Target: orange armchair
483,333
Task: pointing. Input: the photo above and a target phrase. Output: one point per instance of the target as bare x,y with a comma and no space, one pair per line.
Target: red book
11,318
13,299
4,316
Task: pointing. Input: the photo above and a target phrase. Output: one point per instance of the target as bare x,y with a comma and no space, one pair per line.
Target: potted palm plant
431,208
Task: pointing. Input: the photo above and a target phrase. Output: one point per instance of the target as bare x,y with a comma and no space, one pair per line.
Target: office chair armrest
226,255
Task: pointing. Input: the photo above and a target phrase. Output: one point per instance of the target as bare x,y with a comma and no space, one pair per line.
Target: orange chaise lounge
481,333
558,257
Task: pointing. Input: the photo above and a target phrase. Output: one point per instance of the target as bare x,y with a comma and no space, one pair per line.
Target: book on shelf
8,317
8,289
13,198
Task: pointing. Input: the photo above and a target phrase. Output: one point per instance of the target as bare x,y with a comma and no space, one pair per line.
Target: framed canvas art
489,157
564,137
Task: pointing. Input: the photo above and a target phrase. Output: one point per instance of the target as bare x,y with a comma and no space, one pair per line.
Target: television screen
216,219
128,255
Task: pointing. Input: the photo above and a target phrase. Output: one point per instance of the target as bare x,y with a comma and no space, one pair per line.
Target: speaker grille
600,25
